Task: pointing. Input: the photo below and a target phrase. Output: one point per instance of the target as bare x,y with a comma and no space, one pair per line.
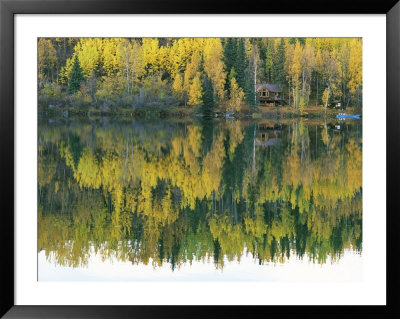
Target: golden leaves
236,96
87,173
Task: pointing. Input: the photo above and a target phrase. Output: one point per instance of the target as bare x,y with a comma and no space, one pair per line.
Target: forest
174,192
196,74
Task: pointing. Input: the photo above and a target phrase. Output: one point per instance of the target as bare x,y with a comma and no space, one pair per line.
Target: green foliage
277,70
240,64
230,52
269,62
250,95
75,77
208,97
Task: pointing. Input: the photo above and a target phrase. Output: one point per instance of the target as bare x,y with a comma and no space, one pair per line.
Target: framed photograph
162,154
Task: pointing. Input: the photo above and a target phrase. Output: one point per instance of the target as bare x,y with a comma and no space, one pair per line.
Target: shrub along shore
182,111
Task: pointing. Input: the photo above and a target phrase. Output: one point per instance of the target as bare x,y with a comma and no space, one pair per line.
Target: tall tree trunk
316,141
126,157
255,83
327,97
343,89
327,137
133,72
127,70
254,148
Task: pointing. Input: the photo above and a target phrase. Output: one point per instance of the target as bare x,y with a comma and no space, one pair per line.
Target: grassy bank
291,112
182,111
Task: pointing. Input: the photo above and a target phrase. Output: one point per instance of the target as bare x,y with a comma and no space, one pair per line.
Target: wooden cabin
269,94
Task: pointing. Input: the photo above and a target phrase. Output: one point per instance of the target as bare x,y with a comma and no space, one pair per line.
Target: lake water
198,199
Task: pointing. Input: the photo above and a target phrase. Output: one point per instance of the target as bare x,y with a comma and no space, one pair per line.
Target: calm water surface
199,199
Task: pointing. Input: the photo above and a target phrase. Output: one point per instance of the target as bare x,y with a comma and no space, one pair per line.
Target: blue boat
347,116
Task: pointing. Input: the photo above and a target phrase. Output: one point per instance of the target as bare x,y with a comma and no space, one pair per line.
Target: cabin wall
268,94
267,98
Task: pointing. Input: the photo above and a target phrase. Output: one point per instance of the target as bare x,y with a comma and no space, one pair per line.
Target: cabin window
267,93
263,93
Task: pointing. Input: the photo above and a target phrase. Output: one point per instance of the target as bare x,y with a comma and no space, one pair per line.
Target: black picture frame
9,8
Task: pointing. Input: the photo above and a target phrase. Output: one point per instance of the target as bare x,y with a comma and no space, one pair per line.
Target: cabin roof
269,87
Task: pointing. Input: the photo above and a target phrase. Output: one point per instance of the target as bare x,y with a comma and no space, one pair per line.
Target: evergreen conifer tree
208,97
249,91
240,64
230,49
278,71
229,54
269,61
75,77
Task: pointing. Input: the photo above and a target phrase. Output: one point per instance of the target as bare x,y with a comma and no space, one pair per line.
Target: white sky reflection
347,269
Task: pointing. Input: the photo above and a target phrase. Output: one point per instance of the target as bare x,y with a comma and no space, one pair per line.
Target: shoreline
282,112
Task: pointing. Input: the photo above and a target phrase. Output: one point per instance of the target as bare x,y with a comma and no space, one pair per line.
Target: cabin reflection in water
269,134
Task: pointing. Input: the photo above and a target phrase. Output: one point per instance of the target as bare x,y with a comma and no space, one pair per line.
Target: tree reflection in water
174,191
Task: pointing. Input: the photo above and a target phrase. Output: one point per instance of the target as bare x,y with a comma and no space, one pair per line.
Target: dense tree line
140,72
174,193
